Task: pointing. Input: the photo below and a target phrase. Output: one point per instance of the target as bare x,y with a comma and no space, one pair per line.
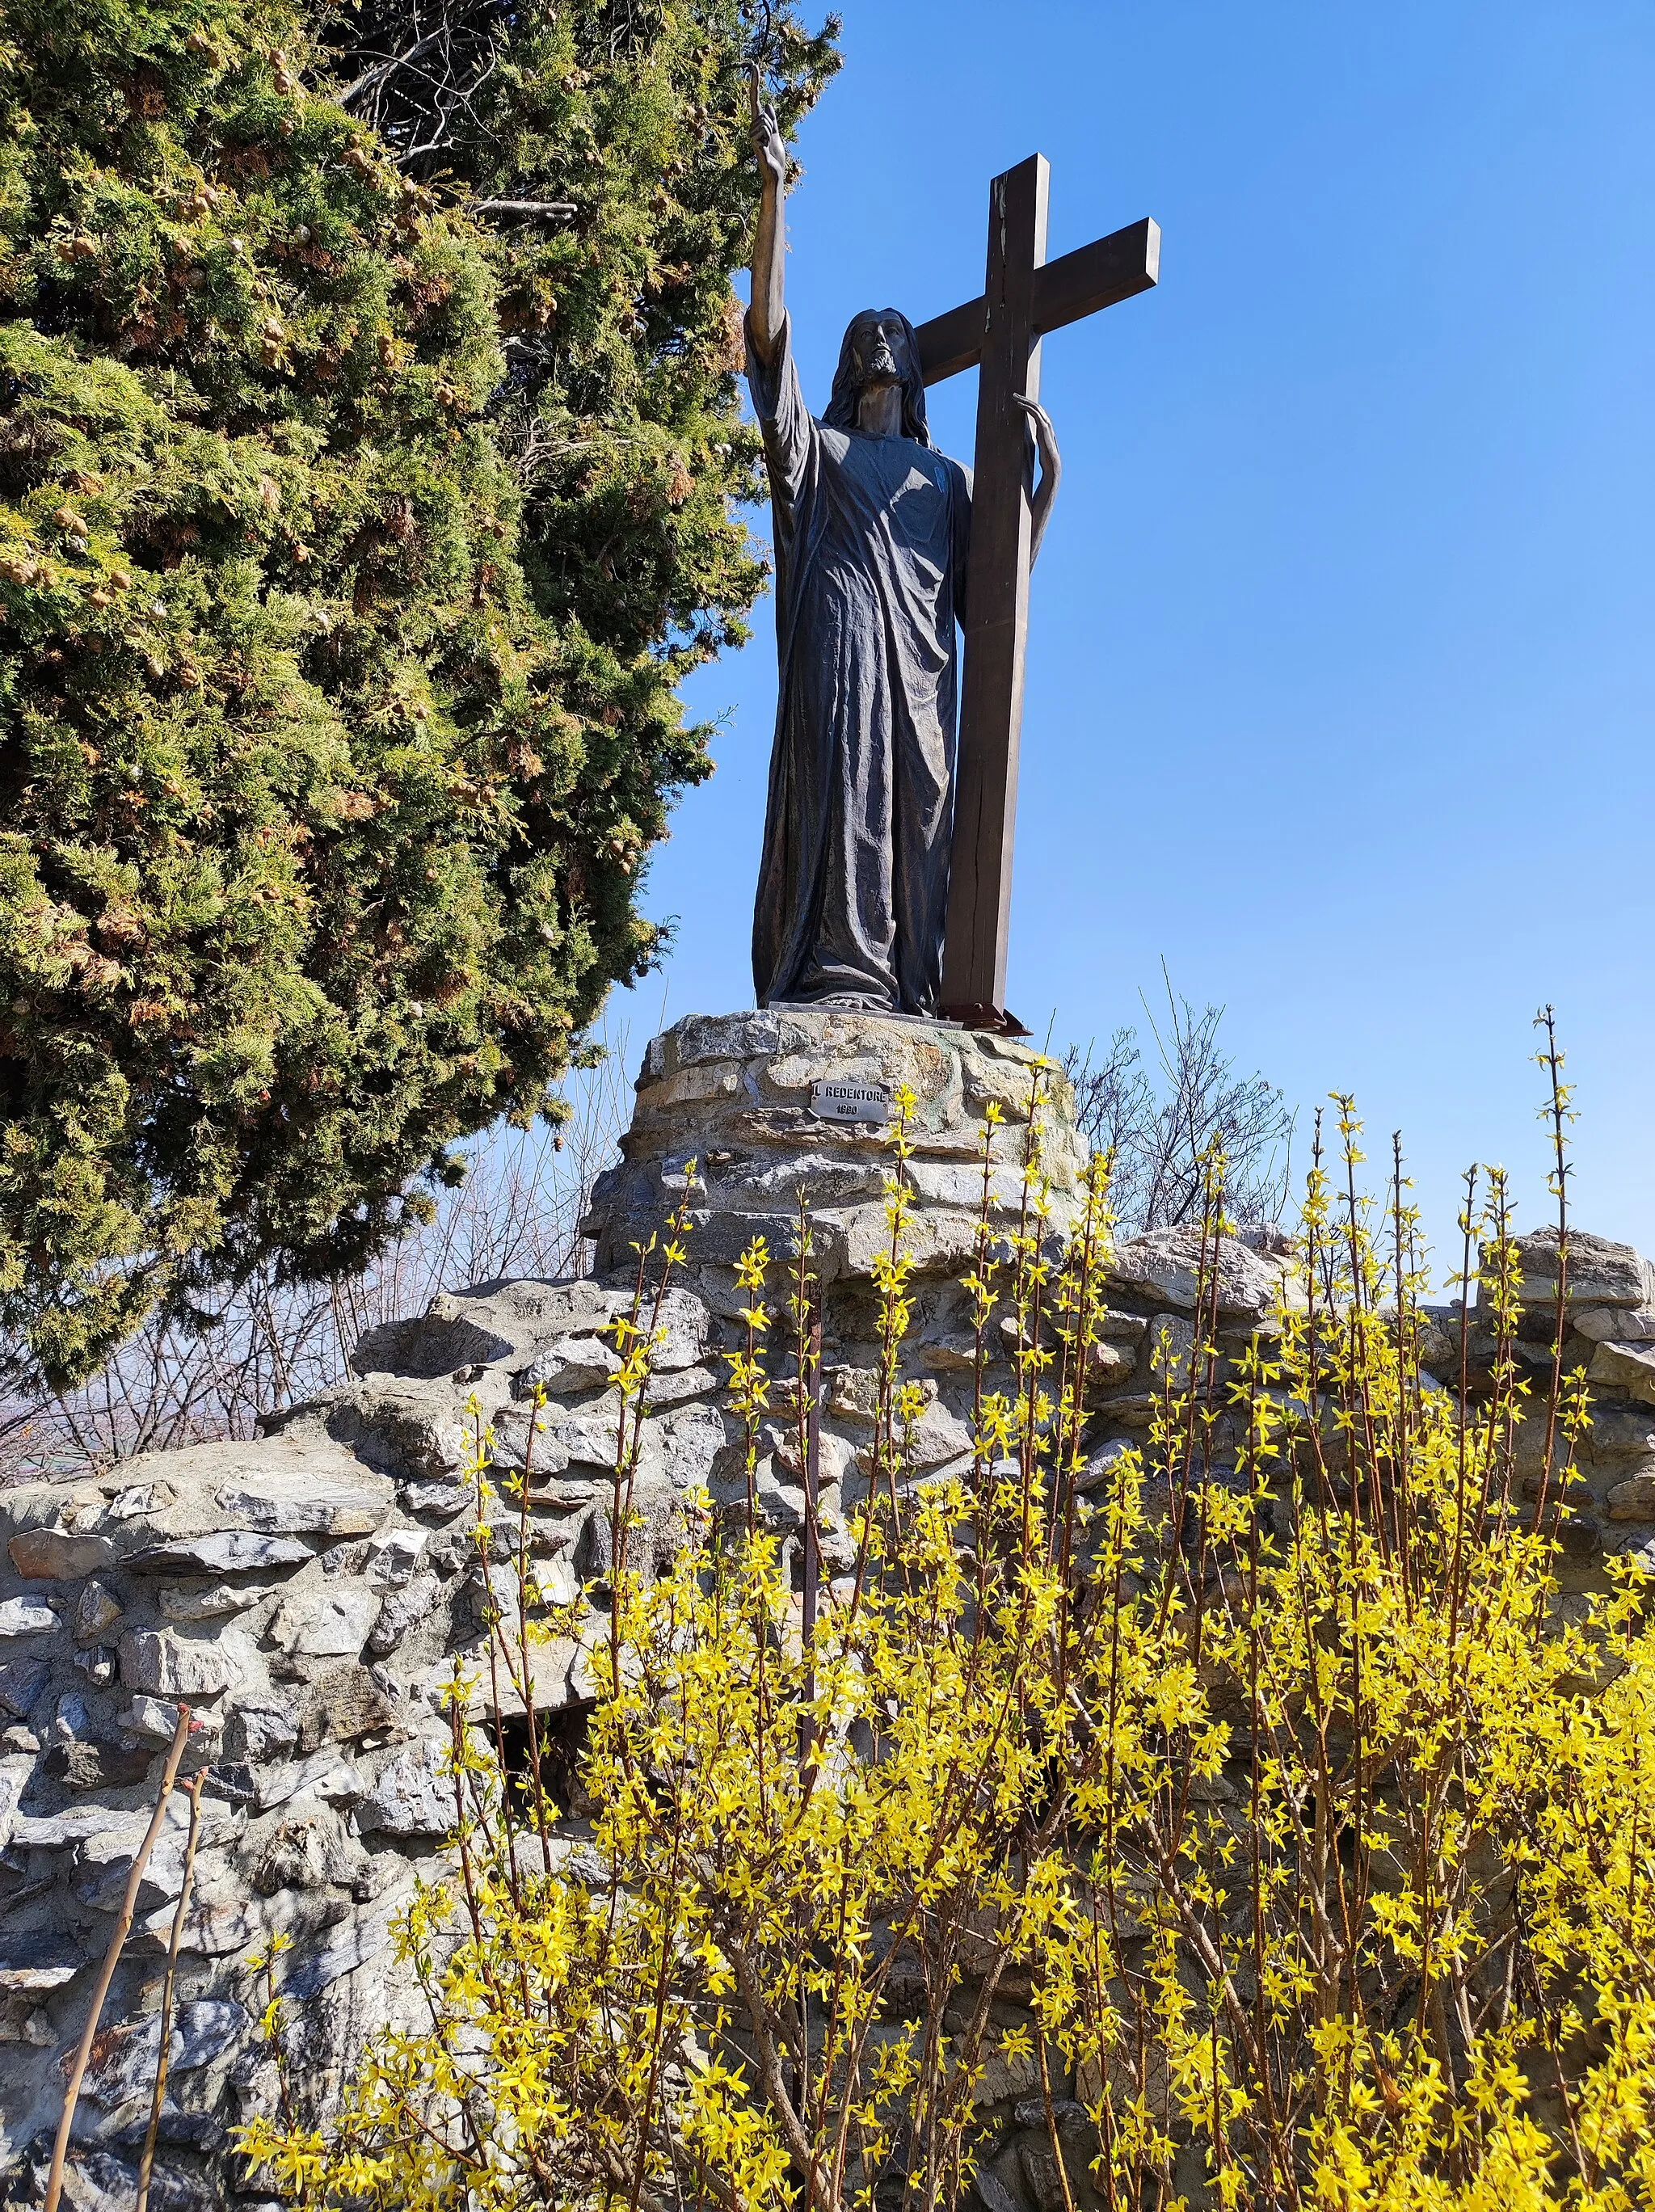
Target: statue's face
878,342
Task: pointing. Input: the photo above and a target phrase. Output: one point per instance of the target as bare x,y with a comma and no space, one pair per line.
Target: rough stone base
732,1093
306,1592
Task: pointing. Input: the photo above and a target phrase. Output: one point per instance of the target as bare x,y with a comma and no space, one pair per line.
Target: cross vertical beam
996,603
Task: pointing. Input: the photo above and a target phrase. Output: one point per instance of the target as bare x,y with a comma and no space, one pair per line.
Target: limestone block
767,1034
67,1831
137,1501
940,1244
326,1623
653,1537
1172,1341
260,1730
938,1438
22,1682
1624,1324
27,1616
1615,1432
525,1437
155,1718
361,1939
1010,1085
951,1352
122,2066
675,1388
1634,1498
214,1602
1601,1271
577,1363
558,1674
221,1919
991,2193
1046,2181
16,1774
343,1704
853,1394
1102,1463
169,1665
328,1775
409,1428
55,1555
680,1330
1163,1265
103,1866
96,1612
688,1444
441,1501
588,1441
1627,1369
960,1185
434,1346
414,1796
836,1455
1112,1363
1116,1327
690,1086
1004,2076
84,1764
761,1184
22,1988
338,1498
225,1551
394,1557
403,1609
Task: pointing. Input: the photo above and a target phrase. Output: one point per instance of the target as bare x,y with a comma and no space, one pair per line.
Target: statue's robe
871,542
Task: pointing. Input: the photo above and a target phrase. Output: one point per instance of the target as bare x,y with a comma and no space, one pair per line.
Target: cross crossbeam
1077,284
1024,297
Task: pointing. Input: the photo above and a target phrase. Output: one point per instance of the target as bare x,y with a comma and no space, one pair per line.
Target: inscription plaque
836,1101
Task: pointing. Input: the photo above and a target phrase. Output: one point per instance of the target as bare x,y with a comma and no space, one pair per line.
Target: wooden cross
1023,296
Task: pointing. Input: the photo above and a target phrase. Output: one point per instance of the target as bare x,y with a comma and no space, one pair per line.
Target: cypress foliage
355,531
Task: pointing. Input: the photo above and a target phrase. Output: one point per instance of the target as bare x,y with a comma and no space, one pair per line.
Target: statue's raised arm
770,245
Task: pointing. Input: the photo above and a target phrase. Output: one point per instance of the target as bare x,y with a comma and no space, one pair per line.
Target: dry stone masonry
307,1593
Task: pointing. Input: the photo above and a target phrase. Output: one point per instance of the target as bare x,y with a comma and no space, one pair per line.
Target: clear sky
1342,664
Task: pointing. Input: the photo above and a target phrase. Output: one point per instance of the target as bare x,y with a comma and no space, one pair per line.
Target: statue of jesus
871,528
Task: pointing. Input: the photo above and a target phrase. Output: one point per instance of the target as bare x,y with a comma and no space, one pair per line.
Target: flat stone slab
225,1551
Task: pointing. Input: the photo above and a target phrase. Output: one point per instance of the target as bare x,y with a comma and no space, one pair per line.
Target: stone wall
307,1593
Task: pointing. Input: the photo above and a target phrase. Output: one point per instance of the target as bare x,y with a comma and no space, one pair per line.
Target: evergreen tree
369,440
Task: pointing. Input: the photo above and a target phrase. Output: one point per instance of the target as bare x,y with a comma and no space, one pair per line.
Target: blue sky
1342,662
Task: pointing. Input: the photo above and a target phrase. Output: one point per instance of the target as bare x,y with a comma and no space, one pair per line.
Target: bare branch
1159,1127
273,1344
527,211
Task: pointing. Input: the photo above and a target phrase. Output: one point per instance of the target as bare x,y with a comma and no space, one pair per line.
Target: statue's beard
879,369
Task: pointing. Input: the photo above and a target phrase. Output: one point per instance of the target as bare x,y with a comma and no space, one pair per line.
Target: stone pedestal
733,1094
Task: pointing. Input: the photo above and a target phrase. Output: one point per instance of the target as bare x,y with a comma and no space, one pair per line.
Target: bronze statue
871,529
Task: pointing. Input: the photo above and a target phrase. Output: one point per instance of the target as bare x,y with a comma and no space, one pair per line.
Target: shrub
351,549
1240,1805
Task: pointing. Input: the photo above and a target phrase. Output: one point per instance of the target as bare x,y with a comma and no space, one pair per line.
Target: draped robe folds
871,542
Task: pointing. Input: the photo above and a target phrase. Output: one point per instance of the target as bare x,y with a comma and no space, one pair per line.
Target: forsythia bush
354,540
1255,1804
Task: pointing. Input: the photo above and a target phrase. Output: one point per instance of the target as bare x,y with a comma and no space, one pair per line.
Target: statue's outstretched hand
767,141
1045,440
